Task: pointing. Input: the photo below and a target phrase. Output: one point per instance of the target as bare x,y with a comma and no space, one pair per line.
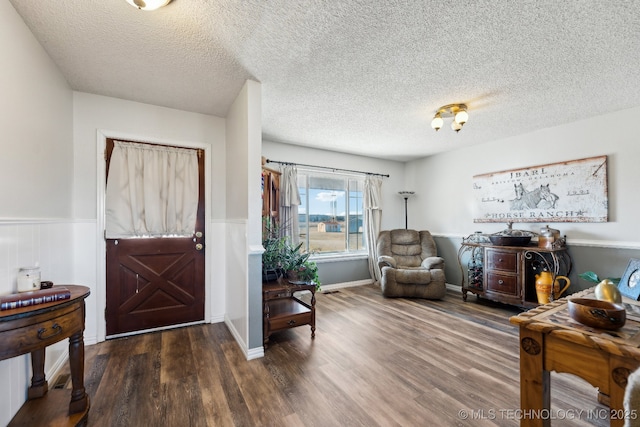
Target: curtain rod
325,167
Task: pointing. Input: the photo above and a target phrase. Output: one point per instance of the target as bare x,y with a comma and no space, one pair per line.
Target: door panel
152,283
156,282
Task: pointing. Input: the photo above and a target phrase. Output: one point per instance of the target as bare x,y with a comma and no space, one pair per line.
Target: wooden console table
282,309
31,330
550,340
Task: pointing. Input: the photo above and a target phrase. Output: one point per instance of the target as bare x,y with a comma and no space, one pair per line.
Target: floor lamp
406,195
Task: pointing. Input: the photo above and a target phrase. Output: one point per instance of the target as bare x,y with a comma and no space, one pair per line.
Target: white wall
443,181
36,121
98,116
243,239
35,181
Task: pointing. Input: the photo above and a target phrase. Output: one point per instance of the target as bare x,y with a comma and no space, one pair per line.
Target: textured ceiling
362,76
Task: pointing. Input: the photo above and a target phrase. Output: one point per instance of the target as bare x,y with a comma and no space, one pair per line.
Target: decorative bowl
510,240
597,313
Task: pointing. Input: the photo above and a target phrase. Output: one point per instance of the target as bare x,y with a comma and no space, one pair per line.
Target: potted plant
281,258
272,259
274,245
307,272
297,266
293,258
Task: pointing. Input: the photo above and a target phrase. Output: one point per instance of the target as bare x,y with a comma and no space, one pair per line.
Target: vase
544,286
270,275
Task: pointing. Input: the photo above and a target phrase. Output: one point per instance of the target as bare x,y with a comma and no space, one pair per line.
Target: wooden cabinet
507,273
287,305
502,275
30,330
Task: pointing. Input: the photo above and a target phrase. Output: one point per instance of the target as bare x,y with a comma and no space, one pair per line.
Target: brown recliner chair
409,265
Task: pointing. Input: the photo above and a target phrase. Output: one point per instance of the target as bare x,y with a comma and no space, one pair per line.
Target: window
330,213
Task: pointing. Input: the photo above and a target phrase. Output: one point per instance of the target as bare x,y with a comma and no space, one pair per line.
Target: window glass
330,214
355,230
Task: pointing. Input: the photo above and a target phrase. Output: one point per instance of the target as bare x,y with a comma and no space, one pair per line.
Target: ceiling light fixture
457,111
148,4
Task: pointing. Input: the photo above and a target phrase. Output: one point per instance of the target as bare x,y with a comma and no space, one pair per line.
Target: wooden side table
282,309
550,340
31,330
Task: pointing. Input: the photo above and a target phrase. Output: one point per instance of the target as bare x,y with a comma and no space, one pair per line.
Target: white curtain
152,191
372,206
289,202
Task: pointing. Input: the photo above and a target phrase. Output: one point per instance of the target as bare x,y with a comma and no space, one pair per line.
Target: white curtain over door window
152,191
372,207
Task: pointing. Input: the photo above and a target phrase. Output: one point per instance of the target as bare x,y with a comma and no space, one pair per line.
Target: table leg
39,385
620,369
313,314
265,322
79,398
535,381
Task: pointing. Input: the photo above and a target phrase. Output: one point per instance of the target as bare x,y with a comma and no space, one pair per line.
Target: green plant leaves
592,277
589,276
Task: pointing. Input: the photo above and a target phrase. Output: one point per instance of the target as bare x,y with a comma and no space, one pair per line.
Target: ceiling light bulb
437,122
148,4
456,126
461,117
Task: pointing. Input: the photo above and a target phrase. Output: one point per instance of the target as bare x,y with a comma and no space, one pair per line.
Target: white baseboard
345,285
452,287
217,319
236,336
53,372
249,353
255,353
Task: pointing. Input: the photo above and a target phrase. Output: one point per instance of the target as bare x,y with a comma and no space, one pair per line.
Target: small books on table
42,296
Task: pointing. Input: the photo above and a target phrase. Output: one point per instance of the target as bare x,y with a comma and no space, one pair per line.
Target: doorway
159,281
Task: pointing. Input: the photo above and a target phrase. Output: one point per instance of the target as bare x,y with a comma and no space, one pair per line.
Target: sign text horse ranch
573,191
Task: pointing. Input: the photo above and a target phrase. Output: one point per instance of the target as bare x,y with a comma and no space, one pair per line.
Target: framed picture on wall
629,285
570,191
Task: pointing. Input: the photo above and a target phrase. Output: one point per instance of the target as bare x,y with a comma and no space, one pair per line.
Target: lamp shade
148,4
461,117
406,194
437,122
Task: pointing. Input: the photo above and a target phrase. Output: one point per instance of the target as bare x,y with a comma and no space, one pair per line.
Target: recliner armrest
433,262
386,261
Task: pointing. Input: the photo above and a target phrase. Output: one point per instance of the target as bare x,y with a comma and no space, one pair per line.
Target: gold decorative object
606,290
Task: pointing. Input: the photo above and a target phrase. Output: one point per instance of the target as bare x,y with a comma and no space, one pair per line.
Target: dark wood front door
156,282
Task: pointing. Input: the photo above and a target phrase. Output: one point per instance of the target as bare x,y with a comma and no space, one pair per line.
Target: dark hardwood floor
374,362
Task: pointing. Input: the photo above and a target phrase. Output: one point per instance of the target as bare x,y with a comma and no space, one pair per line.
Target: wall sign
572,191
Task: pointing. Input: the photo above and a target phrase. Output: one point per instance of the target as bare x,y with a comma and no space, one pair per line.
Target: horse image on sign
572,191
539,198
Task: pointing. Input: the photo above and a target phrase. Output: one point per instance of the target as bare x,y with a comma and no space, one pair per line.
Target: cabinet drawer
41,333
287,313
503,283
290,321
501,260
